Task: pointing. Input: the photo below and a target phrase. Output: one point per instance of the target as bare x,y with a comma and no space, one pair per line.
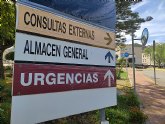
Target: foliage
5,89
127,20
7,22
7,28
127,111
5,102
121,63
117,116
128,99
124,75
8,69
9,56
159,53
5,109
136,116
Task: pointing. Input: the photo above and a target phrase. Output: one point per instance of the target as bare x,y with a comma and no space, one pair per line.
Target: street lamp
144,38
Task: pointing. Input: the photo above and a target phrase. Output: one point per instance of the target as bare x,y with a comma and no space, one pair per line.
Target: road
160,75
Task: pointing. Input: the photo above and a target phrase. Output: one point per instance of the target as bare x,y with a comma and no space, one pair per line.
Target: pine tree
127,20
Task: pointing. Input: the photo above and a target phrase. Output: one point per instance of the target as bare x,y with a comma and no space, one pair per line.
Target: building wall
146,59
128,48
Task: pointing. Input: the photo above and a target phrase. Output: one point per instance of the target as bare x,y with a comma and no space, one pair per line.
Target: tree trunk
1,63
159,63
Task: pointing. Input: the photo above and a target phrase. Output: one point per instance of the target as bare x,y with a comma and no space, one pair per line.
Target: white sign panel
31,109
40,49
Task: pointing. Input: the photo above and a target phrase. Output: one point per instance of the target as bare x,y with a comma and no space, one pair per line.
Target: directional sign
110,57
40,49
44,92
109,39
126,54
37,78
52,25
109,75
63,66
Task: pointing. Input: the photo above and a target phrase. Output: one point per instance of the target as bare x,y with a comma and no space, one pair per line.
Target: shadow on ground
153,98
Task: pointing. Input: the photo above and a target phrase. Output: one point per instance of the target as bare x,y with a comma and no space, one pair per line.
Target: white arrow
109,75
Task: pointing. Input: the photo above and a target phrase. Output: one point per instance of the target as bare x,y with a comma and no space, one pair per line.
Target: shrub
8,71
5,109
5,89
117,116
127,110
8,68
137,116
8,75
129,99
10,56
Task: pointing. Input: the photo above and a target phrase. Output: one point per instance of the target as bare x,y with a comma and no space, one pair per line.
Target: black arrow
109,56
108,38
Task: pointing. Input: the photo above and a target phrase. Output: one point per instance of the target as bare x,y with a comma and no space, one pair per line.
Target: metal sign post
102,116
154,61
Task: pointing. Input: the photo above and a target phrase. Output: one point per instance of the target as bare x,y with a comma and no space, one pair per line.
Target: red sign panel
39,78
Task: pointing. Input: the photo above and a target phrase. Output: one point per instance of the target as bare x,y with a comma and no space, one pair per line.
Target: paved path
152,97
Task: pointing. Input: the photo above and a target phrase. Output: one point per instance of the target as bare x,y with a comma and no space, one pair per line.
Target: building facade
128,49
146,59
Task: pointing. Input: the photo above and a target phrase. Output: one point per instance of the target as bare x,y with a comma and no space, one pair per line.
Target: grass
123,81
122,84
124,75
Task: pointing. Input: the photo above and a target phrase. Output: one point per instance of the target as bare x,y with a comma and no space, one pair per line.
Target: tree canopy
159,53
127,20
7,22
7,28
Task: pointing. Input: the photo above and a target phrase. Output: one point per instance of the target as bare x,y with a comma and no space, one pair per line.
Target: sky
156,27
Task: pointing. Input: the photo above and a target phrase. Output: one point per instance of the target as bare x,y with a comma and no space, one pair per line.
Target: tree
159,53
7,28
127,20
9,56
121,63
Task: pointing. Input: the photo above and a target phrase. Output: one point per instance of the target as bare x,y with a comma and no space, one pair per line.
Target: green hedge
5,102
127,111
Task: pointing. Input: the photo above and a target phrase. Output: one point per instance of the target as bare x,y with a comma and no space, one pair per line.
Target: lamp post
144,39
